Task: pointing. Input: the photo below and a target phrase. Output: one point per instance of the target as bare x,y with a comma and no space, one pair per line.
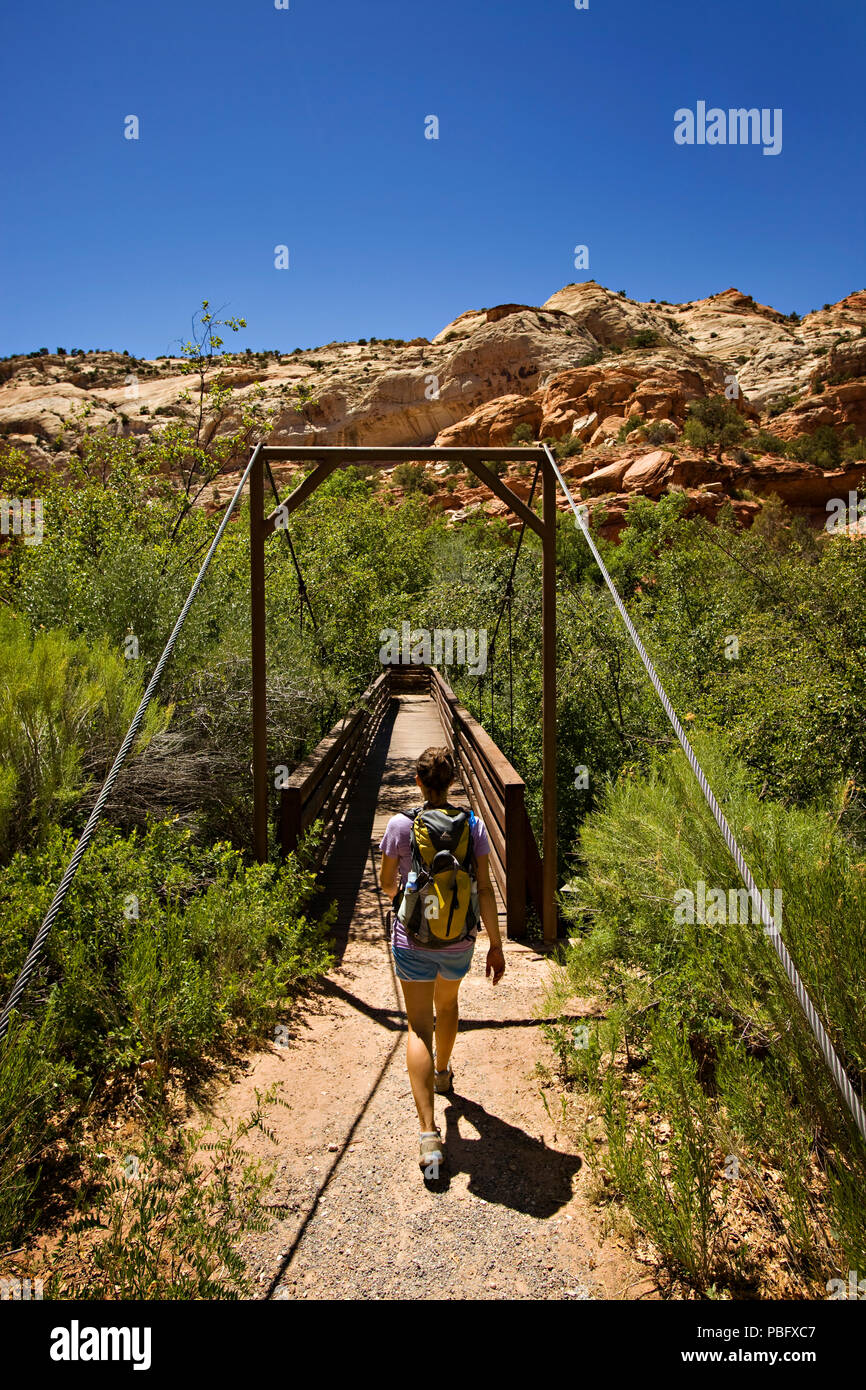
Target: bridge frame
327,458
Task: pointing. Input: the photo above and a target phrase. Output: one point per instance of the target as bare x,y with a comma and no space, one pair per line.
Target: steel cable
509,594
819,1032
303,596
93,819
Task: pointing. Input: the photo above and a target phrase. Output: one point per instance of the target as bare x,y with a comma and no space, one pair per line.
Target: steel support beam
385,455
327,459
258,649
548,716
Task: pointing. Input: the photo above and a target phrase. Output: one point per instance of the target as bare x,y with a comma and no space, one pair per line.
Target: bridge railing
496,792
320,787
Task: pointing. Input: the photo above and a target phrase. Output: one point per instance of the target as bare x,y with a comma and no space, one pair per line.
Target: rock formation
609,378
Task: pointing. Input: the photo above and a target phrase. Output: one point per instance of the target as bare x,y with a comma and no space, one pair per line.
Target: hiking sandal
443,1081
430,1152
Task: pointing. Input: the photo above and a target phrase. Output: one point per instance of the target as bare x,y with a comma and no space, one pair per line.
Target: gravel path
503,1220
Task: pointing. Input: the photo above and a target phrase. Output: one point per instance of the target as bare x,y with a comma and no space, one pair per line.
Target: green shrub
853,449
670,1190
660,432
523,434
413,477
32,1085
165,1223
65,705
568,448
688,994
764,442
714,422
162,950
634,422
823,448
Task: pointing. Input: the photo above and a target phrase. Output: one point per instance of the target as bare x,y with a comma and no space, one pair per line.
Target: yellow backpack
440,901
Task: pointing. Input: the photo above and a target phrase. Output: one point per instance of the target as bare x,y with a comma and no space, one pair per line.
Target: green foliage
823,448
731,1061
634,422
162,950
568,448
65,705
383,556
348,482
644,338
714,422
670,1190
765,442
523,434
32,1083
413,477
853,449
660,432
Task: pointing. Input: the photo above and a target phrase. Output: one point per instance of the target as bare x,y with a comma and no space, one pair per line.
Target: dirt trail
503,1220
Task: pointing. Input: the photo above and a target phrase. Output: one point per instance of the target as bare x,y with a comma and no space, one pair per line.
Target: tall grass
65,705
708,1010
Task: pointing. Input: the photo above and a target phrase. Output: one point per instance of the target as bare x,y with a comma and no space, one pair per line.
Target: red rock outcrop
579,367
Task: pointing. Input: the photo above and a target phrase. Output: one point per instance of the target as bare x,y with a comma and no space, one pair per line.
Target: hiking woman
431,976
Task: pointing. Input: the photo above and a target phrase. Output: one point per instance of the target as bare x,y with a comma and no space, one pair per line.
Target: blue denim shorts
411,964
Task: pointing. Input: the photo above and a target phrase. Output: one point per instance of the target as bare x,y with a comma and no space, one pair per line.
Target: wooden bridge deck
385,786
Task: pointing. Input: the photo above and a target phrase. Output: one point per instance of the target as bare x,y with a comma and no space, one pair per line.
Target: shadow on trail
505,1165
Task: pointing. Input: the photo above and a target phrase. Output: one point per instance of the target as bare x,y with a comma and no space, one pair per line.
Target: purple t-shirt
396,842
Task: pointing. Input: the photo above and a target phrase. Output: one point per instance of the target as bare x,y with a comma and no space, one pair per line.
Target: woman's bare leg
445,998
418,997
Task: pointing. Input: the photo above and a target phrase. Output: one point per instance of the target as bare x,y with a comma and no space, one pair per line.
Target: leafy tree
714,423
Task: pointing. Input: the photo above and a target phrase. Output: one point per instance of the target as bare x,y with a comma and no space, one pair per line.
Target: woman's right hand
495,963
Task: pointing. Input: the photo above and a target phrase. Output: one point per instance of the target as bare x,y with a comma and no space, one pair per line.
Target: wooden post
548,718
515,861
259,687
290,819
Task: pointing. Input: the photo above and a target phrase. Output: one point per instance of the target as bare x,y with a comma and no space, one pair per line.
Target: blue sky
305,127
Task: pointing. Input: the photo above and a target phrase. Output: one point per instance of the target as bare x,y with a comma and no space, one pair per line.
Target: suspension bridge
361,769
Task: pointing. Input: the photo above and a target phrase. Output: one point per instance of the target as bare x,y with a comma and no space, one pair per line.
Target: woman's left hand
496,963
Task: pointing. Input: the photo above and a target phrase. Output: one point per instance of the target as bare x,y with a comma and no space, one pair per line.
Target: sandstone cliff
580,369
